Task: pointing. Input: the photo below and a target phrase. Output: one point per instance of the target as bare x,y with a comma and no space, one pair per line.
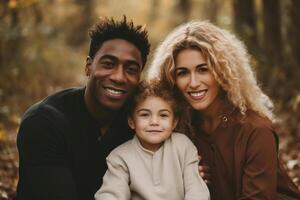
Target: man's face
113,74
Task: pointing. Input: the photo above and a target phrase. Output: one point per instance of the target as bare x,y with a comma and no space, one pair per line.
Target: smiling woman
195,81
229,118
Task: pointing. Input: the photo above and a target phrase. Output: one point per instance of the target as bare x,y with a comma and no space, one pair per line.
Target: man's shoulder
62,97
54,104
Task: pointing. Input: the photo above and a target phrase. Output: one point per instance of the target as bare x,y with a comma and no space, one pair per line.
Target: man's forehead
121,49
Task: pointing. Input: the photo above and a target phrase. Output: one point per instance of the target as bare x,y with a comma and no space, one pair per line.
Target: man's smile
114,92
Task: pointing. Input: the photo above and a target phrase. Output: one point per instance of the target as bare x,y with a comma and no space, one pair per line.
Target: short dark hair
154,88
107,29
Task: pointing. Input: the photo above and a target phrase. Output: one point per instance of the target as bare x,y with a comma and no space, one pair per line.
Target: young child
157,163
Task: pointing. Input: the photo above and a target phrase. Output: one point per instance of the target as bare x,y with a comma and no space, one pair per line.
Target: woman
231,118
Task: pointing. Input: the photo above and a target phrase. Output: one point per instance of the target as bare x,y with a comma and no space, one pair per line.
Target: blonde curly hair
227,58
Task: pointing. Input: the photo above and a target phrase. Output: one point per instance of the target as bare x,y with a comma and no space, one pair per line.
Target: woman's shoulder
253,120
255,127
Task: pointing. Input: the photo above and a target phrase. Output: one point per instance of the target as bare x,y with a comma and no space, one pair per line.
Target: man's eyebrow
108,56
114,58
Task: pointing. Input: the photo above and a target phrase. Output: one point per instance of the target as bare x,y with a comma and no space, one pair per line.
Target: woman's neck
210,117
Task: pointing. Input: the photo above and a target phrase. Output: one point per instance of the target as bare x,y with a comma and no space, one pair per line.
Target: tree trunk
272,32
153,12
82,23
294,31
211,10
185,8
245,23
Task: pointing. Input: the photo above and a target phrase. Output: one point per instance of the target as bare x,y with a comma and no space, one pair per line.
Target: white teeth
116,92
197,94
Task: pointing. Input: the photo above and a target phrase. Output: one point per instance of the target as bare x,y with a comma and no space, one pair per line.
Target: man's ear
131,123
88,65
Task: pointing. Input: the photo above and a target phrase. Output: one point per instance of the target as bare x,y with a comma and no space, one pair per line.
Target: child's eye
144,114
164,115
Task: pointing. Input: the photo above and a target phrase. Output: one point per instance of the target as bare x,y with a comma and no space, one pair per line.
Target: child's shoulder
180,137
180,140
122,150
183,147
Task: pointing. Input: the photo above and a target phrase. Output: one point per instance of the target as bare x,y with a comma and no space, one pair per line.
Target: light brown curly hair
227,58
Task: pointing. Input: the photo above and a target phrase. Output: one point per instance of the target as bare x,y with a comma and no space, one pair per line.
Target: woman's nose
193,82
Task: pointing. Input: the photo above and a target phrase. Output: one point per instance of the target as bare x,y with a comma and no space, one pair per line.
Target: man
63,140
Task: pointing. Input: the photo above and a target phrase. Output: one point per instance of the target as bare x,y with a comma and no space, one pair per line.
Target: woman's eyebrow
180,68
202,65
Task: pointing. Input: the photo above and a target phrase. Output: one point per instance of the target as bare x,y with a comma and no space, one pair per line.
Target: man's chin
113,106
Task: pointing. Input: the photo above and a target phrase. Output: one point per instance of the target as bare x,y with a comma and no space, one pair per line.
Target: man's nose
118,74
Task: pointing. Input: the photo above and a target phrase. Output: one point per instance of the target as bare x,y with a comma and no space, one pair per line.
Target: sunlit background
44,43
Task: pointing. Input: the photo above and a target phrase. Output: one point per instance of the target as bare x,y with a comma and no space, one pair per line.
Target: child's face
153,120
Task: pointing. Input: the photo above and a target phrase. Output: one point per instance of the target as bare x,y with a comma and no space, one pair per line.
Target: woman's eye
181,72
202,69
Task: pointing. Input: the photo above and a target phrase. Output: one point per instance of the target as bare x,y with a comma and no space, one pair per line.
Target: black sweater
62,155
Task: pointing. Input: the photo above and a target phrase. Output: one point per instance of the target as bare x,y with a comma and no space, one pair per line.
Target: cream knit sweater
170,173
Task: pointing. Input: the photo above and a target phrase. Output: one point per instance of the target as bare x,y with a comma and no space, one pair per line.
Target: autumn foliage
43,46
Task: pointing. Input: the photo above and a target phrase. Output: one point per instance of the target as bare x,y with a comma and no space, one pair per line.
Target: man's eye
132,70
108,64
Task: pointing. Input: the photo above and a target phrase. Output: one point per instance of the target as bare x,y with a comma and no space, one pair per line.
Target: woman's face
194,80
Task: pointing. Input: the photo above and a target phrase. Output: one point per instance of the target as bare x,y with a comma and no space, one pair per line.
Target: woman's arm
204,171
259,178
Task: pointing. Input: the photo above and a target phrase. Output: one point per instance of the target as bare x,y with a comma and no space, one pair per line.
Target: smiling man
64,139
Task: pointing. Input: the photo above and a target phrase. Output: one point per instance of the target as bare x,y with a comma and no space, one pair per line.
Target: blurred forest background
44,43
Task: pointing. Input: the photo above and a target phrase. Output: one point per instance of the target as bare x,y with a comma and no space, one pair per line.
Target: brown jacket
242,154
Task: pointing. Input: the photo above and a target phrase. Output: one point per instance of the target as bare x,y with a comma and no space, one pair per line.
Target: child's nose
154,120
